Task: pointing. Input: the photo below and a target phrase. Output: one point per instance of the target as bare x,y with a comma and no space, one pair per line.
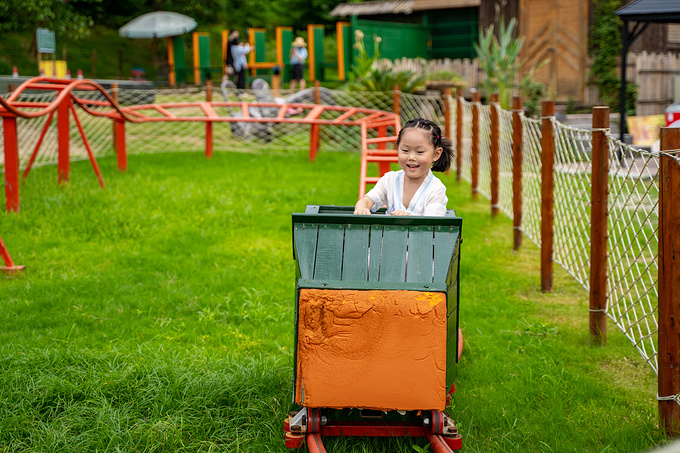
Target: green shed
430,29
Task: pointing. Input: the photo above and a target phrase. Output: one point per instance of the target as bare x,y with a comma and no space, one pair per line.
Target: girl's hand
362,211
399,212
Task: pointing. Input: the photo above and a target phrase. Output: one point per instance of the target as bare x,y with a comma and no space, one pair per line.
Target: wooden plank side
355,258
305,236
375,252
445,239
328,264
393,261
420,254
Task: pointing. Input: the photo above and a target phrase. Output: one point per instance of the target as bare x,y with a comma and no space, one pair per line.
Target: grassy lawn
157,316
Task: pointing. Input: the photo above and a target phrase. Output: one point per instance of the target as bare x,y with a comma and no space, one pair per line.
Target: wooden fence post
547,193
494,150
208,124
669,282
208,90
459,134
517,126
9,126
396,100
446,97
598,226
474,157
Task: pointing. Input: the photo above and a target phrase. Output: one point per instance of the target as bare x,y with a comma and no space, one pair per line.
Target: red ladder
375,149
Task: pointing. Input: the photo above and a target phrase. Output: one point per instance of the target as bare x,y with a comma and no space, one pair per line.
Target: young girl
413,190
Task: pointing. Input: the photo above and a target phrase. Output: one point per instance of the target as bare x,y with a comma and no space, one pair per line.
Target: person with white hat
298,56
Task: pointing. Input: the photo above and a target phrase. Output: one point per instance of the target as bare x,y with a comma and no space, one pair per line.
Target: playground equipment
81,93
376,325
10,268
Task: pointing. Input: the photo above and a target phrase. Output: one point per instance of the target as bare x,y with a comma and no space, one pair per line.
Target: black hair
436,140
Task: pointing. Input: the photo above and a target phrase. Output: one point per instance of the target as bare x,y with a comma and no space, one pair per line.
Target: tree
60,16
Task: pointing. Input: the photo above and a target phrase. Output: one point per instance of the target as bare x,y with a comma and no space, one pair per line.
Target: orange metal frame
66,100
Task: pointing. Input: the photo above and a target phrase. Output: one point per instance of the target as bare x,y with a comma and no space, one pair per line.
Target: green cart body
337,250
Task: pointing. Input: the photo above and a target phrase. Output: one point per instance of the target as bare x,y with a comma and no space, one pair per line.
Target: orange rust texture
383,350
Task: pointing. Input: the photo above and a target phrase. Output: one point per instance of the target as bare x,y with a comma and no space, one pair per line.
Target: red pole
313,141
121,153
208,124
459,134
396,100
474,158
494,151
63,160
114,95
9,268
517,171
598,226
37,145
547,193
90,154
669,282
9,125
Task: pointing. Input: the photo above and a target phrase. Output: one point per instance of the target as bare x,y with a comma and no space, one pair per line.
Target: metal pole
9,126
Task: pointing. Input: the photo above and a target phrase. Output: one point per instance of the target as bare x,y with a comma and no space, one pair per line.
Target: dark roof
398,6
664,11
372,8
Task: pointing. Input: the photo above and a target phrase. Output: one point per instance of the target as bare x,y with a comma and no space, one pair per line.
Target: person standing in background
239,53
232,41
298,56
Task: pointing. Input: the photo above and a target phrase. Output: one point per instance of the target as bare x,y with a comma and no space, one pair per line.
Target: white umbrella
158,24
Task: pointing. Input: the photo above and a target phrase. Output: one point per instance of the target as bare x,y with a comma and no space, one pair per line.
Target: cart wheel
286,425
294,441
454,442
460,343
313,420
437,422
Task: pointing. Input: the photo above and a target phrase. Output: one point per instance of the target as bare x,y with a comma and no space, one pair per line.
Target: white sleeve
379,194
435,205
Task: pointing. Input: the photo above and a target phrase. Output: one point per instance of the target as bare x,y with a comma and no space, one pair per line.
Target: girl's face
416,153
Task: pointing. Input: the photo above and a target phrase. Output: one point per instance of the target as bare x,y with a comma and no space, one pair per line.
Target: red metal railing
68,97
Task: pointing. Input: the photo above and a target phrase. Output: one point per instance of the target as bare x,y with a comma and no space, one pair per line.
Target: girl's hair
436,140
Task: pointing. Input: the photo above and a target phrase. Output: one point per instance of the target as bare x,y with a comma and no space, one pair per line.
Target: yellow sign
645,129
50,71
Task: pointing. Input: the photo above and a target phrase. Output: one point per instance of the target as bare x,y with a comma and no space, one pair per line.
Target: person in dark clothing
233,41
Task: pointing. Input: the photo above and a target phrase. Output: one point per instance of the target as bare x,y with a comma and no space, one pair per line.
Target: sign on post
46,41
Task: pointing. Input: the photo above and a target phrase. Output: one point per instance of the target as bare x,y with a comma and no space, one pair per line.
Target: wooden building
557,30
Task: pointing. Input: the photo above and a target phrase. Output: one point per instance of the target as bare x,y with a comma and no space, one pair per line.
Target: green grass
157,316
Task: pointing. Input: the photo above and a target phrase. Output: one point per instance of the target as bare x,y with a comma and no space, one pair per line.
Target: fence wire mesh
633,244
572,201
633,181
505,162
